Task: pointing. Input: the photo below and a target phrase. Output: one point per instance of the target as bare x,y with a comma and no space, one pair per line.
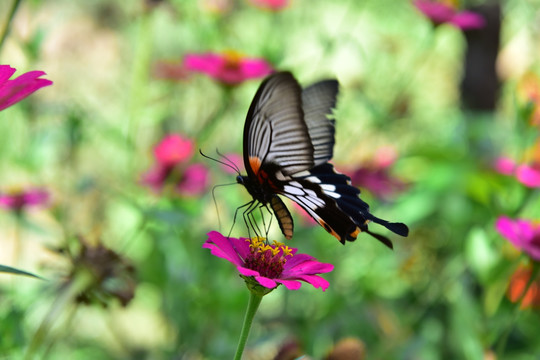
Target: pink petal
468,20
266,282
173,149
271,4
528,176
437,12
156,176
290,284
195,180
35,197
505,166
247,272
13,91
7,201
224,248
5,73
316,281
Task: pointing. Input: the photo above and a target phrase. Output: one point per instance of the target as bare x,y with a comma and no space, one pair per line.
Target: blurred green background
88,139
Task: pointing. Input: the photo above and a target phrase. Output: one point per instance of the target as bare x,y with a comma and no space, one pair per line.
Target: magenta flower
272,5
505,166
19,199
268,265
375,175
440,13
172,167
13,91
173,149
194,180
229,68
529,175
523,234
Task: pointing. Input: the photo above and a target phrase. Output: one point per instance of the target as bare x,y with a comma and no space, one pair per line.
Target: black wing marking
275,131
318,100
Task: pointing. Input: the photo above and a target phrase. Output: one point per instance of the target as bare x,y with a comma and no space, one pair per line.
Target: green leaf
10,270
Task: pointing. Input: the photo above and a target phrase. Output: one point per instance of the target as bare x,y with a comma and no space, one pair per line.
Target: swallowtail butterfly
288,141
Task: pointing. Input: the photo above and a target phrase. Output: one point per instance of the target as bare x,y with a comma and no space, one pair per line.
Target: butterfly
288,141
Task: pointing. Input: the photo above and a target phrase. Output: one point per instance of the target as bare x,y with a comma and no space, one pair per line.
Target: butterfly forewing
275,130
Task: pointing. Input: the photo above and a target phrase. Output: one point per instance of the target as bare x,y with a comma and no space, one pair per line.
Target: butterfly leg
266,228
249,219
248,205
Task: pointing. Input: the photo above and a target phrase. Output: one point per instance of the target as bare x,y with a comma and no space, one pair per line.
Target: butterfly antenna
230,163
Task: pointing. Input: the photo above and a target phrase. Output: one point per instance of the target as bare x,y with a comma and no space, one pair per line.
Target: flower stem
11,15
253,305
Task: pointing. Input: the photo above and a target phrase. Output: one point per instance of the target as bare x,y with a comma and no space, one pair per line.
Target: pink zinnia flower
173,149
375,175
19,199
194,180
13,91
268,265
529,175
229,68
273,5
505,166
440,13
523,234
172,155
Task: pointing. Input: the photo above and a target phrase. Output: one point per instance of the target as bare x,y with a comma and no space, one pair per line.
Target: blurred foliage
88,139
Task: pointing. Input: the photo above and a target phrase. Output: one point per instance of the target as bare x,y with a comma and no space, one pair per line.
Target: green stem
253,305
11,15
517,311
60,304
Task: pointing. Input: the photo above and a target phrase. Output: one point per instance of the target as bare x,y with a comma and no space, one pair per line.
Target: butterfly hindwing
318,101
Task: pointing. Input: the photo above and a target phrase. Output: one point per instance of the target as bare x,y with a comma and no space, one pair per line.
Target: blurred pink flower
529,175
229,67
173,149
440,13
375,175
505,166
13,91
523,234
273,5
172,155
268,265
194,180
19,199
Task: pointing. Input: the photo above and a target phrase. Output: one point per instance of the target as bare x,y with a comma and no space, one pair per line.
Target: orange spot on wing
355,233
255,164
330,230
